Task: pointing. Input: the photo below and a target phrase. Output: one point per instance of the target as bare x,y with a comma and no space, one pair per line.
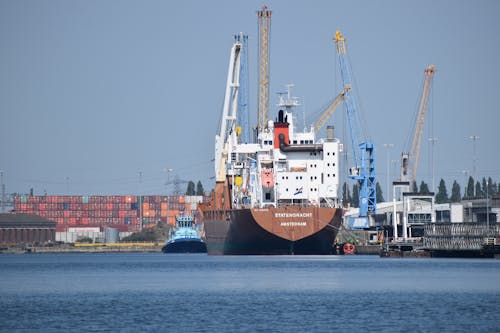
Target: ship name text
293,224
286,215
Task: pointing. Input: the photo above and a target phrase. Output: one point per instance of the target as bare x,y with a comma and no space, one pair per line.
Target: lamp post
168,171
474,138
140,201
487,211
2,207
387,146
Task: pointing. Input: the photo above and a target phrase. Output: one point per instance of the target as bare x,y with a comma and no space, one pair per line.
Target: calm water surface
129,292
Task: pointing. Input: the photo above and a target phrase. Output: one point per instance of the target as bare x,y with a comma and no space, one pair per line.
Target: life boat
267,177
349,248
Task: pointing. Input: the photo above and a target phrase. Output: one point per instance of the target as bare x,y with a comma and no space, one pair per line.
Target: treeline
194,190
473,190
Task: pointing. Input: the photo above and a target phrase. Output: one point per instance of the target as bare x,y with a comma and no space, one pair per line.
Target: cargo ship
184,237
278,192
277,196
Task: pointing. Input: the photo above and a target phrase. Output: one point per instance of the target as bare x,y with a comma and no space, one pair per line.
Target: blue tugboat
184,237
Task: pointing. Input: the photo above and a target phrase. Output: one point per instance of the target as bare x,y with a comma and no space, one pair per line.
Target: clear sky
103,97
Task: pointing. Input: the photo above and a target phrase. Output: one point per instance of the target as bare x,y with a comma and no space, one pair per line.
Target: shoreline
77,249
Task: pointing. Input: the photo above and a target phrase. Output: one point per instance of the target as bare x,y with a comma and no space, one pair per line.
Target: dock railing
458,236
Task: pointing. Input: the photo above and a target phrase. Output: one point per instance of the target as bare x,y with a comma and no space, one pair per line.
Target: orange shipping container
145,206
173,213
171,220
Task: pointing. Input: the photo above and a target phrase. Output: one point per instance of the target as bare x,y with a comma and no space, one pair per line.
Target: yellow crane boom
264,16
419,127
328,112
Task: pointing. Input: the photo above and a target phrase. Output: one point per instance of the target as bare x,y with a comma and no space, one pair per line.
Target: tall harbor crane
243,121
409,161
264,16
363,150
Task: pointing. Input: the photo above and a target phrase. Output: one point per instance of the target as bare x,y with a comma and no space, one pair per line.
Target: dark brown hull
301,231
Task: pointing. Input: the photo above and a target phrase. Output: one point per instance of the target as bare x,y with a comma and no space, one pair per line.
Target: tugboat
184,237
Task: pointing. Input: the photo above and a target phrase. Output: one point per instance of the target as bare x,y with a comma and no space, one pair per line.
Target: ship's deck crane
363,150
409,161
227,136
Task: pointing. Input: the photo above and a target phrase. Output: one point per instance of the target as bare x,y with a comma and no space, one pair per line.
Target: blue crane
363,150
243,114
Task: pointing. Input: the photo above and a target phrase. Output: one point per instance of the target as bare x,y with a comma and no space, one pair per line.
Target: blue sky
101,97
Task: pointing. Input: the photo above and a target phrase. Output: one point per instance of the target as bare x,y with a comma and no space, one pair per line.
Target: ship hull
189,245
303,231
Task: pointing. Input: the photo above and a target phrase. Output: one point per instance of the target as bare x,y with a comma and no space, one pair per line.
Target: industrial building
17,229
410,216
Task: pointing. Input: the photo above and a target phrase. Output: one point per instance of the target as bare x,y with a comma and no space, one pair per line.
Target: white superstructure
285,167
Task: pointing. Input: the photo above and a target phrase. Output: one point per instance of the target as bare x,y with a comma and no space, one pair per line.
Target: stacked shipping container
126,213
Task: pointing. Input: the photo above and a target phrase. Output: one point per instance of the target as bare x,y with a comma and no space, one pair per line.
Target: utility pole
474,138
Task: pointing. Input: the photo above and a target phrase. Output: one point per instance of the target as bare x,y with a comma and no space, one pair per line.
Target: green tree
380,194
199,188
146,235
483,187
158,232
489,187
424,188
455,192
479,191
85,240
442,195
355,195
190,188
492,187
413,186
469,191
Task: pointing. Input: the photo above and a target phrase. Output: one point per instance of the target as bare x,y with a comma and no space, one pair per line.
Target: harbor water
154,292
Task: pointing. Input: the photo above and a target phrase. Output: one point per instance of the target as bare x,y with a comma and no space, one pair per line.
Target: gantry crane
363,150
409,161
